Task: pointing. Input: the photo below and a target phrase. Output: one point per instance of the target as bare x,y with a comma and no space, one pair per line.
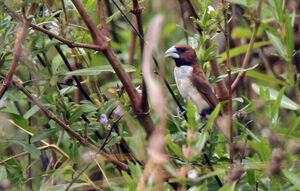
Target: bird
191,81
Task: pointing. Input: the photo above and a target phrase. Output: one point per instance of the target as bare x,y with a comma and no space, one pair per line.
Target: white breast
186,89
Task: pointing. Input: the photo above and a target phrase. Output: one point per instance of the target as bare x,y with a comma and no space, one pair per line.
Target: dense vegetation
88,101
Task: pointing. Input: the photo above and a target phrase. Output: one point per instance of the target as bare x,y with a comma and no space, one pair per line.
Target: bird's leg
201,127
181,112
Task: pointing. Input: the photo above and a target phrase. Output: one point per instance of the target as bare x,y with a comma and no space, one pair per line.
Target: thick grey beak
172,52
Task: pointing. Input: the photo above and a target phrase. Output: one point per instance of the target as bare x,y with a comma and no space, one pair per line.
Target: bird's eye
181,50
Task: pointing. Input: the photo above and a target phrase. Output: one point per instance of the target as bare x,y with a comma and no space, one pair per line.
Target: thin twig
49,114
89,164
250,47
137,11
99,39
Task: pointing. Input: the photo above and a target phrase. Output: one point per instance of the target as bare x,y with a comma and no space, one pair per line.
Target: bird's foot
181,112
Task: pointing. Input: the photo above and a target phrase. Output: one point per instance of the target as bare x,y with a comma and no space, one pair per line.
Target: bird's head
183,55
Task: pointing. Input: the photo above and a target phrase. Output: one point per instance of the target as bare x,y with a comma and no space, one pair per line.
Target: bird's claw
181,112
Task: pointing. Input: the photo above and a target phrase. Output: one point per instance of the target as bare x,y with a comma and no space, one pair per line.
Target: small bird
191,80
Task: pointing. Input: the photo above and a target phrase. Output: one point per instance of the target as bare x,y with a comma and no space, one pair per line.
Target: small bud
277,155
188,151
294,147
192,135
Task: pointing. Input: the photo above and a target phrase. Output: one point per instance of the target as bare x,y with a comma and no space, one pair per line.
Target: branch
250,47
228,68
17,50
50,115
102,14
100,40
137,11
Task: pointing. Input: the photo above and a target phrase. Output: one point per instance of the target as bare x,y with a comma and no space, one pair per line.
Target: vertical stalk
228,69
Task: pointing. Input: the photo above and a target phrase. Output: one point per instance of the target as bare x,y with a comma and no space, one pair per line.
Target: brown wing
204,88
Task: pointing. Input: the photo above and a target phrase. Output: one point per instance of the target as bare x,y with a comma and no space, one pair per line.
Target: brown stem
83,141
228,68
17,50
137,11
250,47
102,14
135,99
48,113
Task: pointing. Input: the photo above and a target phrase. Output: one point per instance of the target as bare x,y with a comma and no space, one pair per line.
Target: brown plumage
191,80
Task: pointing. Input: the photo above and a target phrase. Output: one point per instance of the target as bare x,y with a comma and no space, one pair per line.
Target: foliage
39,153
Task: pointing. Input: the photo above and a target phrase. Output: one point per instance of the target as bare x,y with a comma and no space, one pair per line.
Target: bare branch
250,47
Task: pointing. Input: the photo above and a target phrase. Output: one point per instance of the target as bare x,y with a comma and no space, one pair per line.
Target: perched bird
191,80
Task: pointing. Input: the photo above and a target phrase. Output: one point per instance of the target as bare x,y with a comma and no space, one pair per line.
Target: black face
181,50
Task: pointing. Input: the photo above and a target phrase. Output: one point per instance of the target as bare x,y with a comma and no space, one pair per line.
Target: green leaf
277,105
276,43
22,122
191,115
289,36
234,71
262,148
286,102
3,174
213,116
174,147
35,153
74,151
264,77
240,50
98,70
130,182
31,112
75,115
62,187
201,140
228,186
44,134
295,125
293,178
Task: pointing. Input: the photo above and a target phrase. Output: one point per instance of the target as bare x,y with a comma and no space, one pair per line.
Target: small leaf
264,77
201,140
98,70
276,43
262,148
31,112
35,153
174,147
277,105
191,115
3,174
286,102
289,36
241,49
228,186
213,116
41,135
294,178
